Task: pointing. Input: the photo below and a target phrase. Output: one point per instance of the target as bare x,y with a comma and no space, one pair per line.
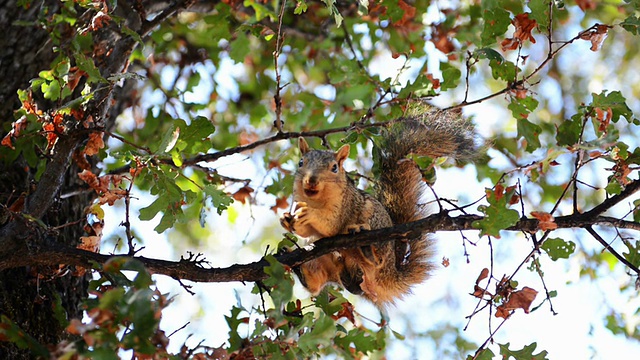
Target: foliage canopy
174,113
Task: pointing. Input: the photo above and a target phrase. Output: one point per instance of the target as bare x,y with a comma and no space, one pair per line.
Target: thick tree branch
190,270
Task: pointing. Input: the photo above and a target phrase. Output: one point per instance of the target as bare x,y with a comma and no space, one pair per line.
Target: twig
276,55
612,250
526,78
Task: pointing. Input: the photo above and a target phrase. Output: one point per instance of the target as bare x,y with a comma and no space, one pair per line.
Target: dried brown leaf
520,299
596,36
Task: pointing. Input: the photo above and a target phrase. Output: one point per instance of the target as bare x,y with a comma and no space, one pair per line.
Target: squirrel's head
317,170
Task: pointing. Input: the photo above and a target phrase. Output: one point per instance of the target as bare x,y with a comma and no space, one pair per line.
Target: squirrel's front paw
286,221
300,216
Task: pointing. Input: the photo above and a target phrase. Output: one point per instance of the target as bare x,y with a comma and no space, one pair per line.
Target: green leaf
240,47
51,90
169,140
631,24
12,332
170,199
321,335
280,282
489,54
636,210
540,13
134,35
158,205
235,340
521,108
362,341
557,248
616,102
261,11
333,10
525,354
633,256
450,75
569,131
484,354
505,70
496,21
301,7
613,186
530,132
219,198
197,135
87,65
59,311
497,215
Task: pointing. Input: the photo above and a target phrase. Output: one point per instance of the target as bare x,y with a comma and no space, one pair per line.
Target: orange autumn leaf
243,194
94,144
281,203
409,13
51,136
445,262
483,275
81,160
112,195
523,26
346,312
604,118
434,81
16,128
106,186
75,75
6,141
442,40
100,20
90,243
247,138
498,190
90,178
546,220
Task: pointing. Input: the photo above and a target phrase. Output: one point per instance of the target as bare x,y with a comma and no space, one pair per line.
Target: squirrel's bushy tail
424,131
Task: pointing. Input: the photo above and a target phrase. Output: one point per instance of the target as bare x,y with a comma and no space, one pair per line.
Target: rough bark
28,294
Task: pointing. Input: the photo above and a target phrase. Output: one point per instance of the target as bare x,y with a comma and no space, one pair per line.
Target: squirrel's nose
311,180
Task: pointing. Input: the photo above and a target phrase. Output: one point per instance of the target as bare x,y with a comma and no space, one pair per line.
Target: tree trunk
29,295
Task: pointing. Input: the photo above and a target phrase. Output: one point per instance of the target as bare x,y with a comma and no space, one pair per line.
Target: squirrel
328,203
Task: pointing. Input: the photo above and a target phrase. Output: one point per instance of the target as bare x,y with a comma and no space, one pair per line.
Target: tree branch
193,270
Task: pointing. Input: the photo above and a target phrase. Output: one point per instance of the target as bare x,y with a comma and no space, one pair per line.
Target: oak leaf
520,299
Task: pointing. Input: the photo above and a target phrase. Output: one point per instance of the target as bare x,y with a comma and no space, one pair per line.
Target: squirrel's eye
301,162
334,168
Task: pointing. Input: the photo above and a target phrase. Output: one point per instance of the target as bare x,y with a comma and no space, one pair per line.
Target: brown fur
328,204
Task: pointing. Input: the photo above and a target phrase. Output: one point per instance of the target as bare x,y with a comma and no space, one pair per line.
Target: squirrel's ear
302,145
342,154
